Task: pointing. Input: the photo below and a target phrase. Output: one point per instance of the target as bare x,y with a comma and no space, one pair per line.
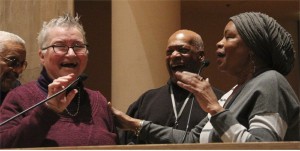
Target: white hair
66,21
7,36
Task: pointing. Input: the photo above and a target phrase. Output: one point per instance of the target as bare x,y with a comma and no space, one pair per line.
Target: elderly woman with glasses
77,117
12,61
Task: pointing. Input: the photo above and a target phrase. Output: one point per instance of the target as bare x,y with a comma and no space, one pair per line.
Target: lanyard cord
177,116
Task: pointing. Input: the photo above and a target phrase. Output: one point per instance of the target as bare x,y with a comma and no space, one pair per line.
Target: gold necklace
78,105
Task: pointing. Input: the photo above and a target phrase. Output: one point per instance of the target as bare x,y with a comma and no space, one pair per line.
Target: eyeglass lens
13,62
65,49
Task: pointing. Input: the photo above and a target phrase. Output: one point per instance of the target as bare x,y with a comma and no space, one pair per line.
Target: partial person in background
12,62
170,105
258,52
78,117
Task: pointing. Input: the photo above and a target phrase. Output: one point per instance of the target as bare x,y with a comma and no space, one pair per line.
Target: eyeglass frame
67,50
15,63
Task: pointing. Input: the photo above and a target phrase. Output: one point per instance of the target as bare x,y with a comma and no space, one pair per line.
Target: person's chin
66,71
11,79
7,85
220,61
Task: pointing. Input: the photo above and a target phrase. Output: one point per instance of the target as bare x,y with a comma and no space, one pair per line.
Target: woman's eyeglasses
14,62
64,49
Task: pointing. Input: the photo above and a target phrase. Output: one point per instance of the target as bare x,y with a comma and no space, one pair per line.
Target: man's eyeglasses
14,62
64,49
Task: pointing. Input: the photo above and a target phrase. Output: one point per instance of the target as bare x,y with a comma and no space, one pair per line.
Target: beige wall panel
140,30
25,18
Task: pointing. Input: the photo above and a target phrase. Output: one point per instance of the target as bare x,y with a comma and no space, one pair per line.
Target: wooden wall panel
25,18
140,30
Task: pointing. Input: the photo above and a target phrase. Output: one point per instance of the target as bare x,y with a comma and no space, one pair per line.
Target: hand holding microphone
201,89
189,78
204,64
61,85
61,101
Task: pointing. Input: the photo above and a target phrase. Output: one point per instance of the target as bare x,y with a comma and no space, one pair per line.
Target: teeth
175,65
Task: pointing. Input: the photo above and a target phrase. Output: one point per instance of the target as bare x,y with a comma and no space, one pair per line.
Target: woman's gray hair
7,36
267,39
66,21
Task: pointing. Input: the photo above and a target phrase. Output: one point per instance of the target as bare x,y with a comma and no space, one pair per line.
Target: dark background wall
207,17
96,19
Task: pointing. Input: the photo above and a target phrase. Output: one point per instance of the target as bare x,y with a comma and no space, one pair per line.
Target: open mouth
69,65
178,67
221,55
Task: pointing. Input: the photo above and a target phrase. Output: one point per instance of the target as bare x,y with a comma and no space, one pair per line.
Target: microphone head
205,63
77,82
82,77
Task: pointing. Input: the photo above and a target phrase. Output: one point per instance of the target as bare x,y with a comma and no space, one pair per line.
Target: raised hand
201,89
60,102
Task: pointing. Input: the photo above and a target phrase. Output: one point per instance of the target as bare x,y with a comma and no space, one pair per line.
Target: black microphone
82,77
77,82
70,87
204,64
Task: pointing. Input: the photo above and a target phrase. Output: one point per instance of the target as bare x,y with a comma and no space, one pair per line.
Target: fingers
60,102
123,120
188,76
186,86
59,105
60,83
70,96
54,107
201,89
188,79
109,104
114,110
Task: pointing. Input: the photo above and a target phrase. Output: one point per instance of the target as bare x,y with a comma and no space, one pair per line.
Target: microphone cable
205,63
